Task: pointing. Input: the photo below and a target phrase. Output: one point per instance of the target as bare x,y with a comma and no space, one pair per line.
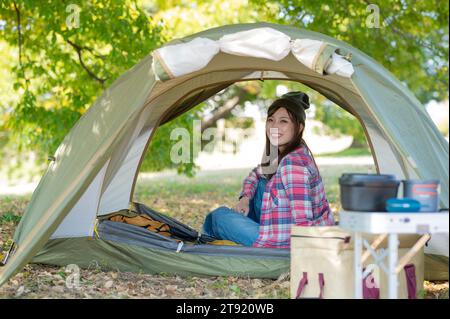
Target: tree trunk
356,143
221,112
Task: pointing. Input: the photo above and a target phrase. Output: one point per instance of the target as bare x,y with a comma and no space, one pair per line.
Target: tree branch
19,38
410,37
79,50
225,109
19,32
221,113
92,51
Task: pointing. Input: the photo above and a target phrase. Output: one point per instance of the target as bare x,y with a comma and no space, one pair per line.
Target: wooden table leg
412,252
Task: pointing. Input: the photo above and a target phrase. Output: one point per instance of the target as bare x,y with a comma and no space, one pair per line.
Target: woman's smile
280,128
276,135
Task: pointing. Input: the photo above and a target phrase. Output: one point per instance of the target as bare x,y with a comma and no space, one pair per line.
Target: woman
284,190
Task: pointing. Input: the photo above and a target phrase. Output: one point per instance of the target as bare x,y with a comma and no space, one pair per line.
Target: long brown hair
297,116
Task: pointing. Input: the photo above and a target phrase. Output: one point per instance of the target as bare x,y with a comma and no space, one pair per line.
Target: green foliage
349,152
158,154
411,42
235,288
339,121
9,217
56,68
62,273
182,18
421,294
68,54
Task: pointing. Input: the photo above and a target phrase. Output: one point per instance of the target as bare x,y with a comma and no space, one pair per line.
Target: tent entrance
343,96
121,172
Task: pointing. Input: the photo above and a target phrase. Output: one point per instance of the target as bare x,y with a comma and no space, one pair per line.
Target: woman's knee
221,211
218,212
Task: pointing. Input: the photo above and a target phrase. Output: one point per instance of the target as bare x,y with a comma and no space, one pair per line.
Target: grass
349,152
187,199
9,217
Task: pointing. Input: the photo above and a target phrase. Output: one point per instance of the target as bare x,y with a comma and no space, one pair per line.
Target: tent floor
93,252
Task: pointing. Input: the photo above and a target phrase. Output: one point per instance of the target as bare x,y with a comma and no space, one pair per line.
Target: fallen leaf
109,284
20,291
171,289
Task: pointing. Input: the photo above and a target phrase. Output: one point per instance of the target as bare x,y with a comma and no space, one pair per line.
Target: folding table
390,225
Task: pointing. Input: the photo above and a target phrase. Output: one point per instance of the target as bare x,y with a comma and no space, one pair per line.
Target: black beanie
296,102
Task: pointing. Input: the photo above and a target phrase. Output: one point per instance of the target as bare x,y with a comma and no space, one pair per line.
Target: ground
189,200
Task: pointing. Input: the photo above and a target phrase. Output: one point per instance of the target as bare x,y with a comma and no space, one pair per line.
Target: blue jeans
256,202
225,223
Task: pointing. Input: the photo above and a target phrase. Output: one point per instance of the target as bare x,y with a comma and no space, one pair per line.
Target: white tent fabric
340,66
81,219
309,51
118,193
267,43
184,58
438,245
263,43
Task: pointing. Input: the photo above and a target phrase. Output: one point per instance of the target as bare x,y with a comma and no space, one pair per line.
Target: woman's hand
242,207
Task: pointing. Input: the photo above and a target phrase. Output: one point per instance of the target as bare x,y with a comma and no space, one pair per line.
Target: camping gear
424,191
95,168
142,216
129,247
322,266
367,192
405,205
391,226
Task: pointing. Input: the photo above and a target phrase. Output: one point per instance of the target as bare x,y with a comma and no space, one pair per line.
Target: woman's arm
296,181
250,184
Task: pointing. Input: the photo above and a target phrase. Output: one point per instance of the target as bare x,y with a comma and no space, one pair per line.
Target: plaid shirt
295,195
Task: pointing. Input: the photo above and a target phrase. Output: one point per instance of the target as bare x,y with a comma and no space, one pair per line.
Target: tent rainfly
96,165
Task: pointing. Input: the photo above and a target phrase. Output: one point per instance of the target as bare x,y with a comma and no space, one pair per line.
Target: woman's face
280,129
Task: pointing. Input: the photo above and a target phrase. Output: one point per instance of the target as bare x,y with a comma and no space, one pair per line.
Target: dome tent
96,165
